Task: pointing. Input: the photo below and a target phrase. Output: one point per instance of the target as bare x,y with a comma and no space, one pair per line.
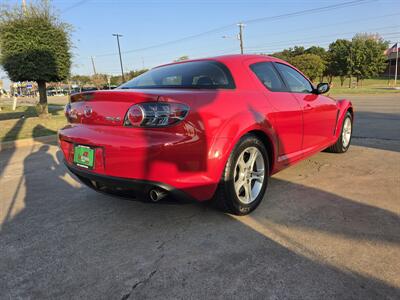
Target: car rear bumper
140,188
133,157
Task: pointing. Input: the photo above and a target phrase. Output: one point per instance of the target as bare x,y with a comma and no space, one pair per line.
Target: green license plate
84,156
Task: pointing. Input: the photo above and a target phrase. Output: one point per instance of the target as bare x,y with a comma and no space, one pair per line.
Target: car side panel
286,116
319,113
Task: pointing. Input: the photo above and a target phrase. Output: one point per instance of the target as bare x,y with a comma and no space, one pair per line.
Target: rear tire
343,142
245,177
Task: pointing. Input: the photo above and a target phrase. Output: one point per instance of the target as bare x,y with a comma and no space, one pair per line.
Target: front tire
245,177
343,142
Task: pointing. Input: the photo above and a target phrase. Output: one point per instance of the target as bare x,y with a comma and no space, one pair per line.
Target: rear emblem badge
112,119
87,111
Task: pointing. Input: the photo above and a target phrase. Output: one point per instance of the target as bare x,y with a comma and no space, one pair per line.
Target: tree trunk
342,78
42,107
349,81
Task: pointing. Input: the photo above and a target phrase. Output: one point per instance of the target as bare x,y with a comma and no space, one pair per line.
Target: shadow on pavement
8,153
71,242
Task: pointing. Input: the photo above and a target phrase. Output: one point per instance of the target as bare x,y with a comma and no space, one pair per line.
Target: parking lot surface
328,227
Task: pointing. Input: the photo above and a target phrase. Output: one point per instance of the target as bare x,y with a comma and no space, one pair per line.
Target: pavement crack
140,282
158,260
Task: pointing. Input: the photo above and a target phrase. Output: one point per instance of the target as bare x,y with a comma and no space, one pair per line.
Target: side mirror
322,88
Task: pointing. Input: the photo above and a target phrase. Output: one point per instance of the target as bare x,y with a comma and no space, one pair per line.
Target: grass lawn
30,127
13,126
7,113
369,86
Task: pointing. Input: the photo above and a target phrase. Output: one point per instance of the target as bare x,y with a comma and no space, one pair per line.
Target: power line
316,37
323,44
263,19
188,50
323,26
79,3
310,11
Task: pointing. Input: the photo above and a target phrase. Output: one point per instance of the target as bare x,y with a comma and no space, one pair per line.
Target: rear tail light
70,113
155,114
67,111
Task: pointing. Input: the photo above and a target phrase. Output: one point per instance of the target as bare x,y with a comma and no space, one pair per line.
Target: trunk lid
109,107
105,107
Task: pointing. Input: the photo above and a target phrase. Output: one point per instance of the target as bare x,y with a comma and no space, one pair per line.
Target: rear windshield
196,74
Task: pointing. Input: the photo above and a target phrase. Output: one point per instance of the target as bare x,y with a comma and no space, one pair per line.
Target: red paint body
191,155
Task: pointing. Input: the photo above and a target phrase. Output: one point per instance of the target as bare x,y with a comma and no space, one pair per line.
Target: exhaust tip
156,195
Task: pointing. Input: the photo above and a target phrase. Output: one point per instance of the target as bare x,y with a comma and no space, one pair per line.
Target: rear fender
230,134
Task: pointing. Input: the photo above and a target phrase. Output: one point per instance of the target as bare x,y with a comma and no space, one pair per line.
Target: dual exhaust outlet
156,195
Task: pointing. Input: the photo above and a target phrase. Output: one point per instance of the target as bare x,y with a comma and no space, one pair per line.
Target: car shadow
71,242
6,154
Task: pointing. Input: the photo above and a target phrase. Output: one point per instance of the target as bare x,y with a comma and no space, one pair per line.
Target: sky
157,32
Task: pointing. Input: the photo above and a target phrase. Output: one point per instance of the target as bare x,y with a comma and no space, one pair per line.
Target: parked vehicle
213,128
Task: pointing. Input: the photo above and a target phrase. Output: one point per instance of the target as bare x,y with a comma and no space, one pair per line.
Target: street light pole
120,57
93,65
240,37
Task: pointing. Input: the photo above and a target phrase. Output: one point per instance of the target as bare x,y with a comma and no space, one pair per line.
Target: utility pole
240,36
351,65
109,81
120,57
93,65
397,59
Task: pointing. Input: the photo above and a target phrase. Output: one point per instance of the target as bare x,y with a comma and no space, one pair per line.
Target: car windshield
195,74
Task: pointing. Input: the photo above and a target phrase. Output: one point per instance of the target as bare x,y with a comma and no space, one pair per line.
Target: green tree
181,58
117,79
338,57
367,58
99,80
35,46
288,54
135,73
80,79
321,52
311,65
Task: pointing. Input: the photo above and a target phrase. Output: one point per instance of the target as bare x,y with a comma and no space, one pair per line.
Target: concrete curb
49,139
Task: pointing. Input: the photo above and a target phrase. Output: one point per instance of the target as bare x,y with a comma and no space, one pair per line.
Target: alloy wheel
249,175
346,134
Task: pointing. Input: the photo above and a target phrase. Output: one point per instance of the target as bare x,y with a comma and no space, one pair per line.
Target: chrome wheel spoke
248,192
249,175
241,163
346,134
257,175
238,186
253,156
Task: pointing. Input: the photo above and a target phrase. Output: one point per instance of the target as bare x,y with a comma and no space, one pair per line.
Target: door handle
308,107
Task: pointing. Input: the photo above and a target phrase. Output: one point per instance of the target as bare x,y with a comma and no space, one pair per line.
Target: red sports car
213,128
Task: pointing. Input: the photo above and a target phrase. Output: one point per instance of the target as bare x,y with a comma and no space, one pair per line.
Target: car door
319,112
287,116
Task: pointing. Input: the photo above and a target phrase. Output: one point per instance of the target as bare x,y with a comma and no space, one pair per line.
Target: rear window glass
196,74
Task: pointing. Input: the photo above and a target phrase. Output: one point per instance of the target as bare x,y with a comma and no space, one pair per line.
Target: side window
297,83
268,76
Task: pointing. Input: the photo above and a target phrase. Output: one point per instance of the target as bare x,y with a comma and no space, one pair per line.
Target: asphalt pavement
329,227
